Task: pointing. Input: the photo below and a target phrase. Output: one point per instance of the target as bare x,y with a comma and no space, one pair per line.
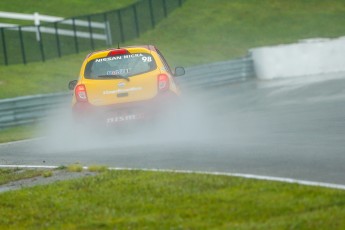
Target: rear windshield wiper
114,77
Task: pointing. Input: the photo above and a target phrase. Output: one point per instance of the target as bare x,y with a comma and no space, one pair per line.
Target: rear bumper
122,114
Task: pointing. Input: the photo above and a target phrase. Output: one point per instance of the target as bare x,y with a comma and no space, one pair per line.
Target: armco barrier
30,109
218,73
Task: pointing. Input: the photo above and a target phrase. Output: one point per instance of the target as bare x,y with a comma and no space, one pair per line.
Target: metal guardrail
218,73
30,109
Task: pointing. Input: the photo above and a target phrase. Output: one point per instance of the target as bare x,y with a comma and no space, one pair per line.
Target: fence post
22,44
57,39
90,31
165,8
41,43
152,14
119,16
37,24
75,36
136,20
107,30
4,45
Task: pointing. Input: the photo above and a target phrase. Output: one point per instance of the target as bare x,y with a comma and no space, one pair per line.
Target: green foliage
47,173
97,168
152,200
74,168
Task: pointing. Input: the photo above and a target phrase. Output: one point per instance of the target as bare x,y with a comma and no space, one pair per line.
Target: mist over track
292,128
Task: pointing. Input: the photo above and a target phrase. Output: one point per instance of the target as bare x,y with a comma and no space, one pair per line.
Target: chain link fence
25,44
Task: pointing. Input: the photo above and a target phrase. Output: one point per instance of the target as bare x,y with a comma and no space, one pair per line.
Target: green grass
214,30
9,175
36,78
152,200
47,173
97,168
61,8
18,133
74,168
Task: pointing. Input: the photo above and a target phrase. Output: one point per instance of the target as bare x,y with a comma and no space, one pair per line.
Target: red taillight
80,93
118,52
163,82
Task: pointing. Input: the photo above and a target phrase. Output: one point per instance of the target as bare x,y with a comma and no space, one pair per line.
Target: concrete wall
308,57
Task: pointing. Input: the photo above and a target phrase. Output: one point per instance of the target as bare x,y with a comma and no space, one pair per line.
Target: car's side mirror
179,71
72,84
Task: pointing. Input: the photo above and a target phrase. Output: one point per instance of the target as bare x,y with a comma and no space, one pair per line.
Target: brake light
118,52
163,82
80,93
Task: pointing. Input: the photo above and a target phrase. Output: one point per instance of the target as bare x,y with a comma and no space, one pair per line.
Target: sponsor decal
118,71
124,118
146,59
127,56
106,92
108,59
121,84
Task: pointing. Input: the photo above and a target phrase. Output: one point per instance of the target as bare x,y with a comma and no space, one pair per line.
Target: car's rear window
126,65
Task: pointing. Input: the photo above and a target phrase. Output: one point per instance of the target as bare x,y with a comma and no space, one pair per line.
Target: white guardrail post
30,109
37,24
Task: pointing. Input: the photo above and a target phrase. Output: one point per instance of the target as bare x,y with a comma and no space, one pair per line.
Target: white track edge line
241,175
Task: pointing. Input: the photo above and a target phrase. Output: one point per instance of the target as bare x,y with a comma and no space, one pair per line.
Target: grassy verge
214,30
17,133
152,200
9,175
36,78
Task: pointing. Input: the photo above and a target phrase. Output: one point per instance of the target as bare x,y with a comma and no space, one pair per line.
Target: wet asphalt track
292,128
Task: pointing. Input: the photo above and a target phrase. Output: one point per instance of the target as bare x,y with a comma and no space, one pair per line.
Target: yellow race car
123,85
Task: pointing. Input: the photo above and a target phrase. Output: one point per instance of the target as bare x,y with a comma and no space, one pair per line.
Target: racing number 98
147,59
